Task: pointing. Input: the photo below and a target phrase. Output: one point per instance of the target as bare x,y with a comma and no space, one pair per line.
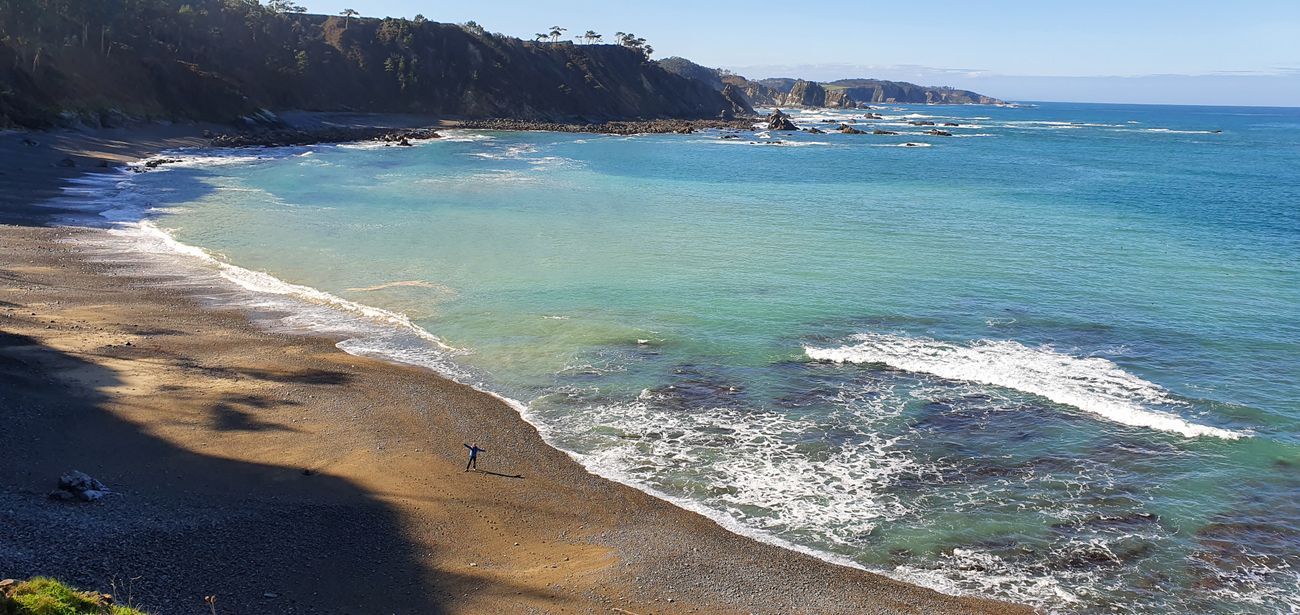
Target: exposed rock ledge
632,127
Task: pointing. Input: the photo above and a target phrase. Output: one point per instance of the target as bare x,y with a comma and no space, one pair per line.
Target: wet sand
285,476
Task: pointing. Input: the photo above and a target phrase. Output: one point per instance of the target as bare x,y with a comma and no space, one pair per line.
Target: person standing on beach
473,456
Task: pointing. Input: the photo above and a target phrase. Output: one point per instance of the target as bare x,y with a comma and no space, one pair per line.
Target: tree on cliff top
633,41
348,14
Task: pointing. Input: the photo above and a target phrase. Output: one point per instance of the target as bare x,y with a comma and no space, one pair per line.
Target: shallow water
1053,358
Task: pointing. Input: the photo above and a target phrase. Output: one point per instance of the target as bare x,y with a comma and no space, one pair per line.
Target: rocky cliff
80,62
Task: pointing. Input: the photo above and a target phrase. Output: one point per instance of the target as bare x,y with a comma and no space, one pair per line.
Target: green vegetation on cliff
42,596
102,61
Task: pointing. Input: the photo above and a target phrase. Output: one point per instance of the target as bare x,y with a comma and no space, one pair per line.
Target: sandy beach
283,475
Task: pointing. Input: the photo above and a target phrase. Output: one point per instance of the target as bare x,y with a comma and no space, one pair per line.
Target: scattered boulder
77,486
921,123
730,136
951,124
938,133
780,121
872,116
879,131
29,142
849,130
66,163
814,130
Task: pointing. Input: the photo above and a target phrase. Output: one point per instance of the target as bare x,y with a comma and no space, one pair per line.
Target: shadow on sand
181,524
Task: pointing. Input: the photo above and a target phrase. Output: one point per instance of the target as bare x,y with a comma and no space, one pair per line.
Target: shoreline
741,573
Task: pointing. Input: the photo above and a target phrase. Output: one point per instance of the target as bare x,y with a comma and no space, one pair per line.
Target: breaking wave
1091,384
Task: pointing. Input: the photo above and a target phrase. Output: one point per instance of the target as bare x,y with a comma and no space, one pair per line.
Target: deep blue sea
1053,358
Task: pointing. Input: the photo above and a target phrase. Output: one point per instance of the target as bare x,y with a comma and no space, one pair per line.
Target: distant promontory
842,94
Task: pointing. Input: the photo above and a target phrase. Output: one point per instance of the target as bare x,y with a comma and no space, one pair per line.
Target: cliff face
810,94
757,93
218,60
804,94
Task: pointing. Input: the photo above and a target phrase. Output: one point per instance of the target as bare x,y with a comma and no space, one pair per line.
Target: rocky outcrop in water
780,121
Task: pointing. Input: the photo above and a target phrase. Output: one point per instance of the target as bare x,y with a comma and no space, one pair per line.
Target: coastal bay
283,475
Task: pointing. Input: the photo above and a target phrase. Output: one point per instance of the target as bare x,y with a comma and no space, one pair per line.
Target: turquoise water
1054,358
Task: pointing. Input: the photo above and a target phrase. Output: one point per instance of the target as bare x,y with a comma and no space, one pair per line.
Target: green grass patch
42,596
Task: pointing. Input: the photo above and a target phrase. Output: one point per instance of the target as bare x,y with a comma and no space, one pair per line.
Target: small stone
270,595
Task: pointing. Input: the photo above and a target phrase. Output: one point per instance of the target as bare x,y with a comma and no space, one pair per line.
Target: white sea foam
1091,384
754,460
214,159
1179,132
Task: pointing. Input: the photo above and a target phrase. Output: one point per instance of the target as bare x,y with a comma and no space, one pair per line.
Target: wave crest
1091,384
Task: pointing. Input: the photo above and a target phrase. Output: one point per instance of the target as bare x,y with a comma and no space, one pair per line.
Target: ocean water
1054,358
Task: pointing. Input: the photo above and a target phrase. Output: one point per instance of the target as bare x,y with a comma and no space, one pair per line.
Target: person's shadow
490,473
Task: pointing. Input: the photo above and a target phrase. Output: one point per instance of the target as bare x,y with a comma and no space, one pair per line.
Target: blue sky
1158,51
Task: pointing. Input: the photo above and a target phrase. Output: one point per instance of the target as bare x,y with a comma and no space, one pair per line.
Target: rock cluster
280,137
77,486
849,130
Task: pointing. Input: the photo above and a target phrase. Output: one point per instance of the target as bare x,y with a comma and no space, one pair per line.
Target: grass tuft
44,596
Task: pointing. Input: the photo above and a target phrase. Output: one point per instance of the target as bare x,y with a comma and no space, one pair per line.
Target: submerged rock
883,132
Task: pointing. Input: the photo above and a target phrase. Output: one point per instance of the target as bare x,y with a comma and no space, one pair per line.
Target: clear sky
1190,51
